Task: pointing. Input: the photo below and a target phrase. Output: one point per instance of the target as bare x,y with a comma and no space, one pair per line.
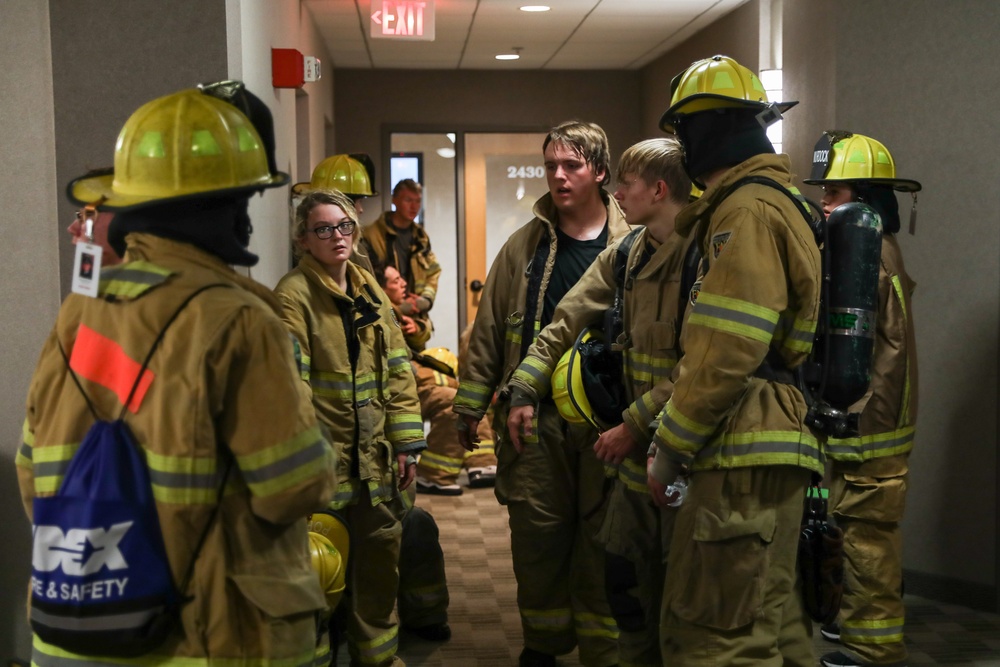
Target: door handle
476,286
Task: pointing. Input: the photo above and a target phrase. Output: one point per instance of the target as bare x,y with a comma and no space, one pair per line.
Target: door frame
460,130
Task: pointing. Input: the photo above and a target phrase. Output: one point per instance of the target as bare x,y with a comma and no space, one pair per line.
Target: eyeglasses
326,231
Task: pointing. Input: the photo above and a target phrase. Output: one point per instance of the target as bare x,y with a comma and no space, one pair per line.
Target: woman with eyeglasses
353,356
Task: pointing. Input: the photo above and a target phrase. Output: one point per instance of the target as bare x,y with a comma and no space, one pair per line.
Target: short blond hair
318,198
655,160
587,140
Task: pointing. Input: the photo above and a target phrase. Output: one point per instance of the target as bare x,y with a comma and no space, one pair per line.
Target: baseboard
981,597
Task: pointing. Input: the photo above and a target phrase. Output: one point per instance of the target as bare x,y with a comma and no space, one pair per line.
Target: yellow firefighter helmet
329,547
845,156
338,172
181,145
718,82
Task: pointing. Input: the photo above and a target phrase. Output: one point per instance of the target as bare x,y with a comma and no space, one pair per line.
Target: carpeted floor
486,629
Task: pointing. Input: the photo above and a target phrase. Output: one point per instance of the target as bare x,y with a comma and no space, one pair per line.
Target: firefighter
868,478
395,239
351,174
734,419
547,473
223,381
644,289
436,371
353,358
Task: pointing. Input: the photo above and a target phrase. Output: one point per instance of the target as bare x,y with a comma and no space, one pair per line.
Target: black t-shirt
573,257
404,237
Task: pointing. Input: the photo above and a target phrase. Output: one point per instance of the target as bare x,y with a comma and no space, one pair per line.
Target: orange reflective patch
104,362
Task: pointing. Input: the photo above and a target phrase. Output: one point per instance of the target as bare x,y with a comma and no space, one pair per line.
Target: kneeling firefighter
868,478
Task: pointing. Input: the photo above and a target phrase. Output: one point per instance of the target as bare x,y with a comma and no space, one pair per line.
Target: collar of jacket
545,210
419,237
661,255
770,165
316,274
171,255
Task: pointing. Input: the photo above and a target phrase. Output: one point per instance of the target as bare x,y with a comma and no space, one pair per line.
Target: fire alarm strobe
291,69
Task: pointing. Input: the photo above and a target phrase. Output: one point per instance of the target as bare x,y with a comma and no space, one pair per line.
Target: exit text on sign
403,19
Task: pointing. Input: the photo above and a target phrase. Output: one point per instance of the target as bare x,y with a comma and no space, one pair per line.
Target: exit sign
403,19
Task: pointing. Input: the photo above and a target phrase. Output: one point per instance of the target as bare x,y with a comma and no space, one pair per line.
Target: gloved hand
423,304
661,472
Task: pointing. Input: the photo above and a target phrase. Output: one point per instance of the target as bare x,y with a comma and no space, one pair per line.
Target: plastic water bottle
678,488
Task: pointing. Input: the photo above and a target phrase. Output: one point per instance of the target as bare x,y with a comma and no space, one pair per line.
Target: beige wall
734,35
263,25
918,76
72,71
29,275
369,101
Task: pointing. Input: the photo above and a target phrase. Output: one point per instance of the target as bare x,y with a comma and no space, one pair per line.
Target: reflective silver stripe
184,480
317,450
128,621
736,316
25,450
50,468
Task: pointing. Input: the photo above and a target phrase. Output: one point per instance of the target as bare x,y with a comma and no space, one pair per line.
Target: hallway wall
29,278
72,72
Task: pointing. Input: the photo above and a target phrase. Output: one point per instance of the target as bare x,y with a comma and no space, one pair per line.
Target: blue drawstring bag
100,580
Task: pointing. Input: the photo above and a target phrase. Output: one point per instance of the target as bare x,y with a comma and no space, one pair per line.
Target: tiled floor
486,628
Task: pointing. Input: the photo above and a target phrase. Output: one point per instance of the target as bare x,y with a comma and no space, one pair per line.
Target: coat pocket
727,562
281,597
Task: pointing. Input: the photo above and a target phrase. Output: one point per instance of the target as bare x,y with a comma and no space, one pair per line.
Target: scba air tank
854,233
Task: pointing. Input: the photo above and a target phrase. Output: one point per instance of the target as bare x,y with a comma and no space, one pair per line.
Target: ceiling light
446,153
535,8
507,56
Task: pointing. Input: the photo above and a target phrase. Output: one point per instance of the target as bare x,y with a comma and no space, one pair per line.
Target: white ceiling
575,34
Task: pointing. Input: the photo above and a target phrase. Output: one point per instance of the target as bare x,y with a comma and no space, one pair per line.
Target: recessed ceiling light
535,8
507,56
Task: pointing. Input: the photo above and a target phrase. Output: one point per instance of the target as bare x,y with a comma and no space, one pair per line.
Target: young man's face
395,286
636,198
407,204
835,195
573,182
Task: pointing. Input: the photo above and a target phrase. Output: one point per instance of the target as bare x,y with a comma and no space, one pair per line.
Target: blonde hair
587,140
654,160
318,198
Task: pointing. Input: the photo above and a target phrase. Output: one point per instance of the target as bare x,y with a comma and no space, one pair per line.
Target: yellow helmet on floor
182,145
329,547
445,356
338,172
718,82
845,156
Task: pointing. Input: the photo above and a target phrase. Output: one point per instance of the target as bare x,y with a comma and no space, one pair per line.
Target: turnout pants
636,536
730,596
444,457
868,501
554,493
373,578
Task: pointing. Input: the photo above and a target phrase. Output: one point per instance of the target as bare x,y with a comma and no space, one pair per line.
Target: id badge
87,269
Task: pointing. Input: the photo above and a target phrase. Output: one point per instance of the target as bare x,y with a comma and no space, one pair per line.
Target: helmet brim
708,102
897,184
99,190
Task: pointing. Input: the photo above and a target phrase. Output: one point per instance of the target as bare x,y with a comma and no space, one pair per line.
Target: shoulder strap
804,206
614,319
145,363
689,275
535,271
